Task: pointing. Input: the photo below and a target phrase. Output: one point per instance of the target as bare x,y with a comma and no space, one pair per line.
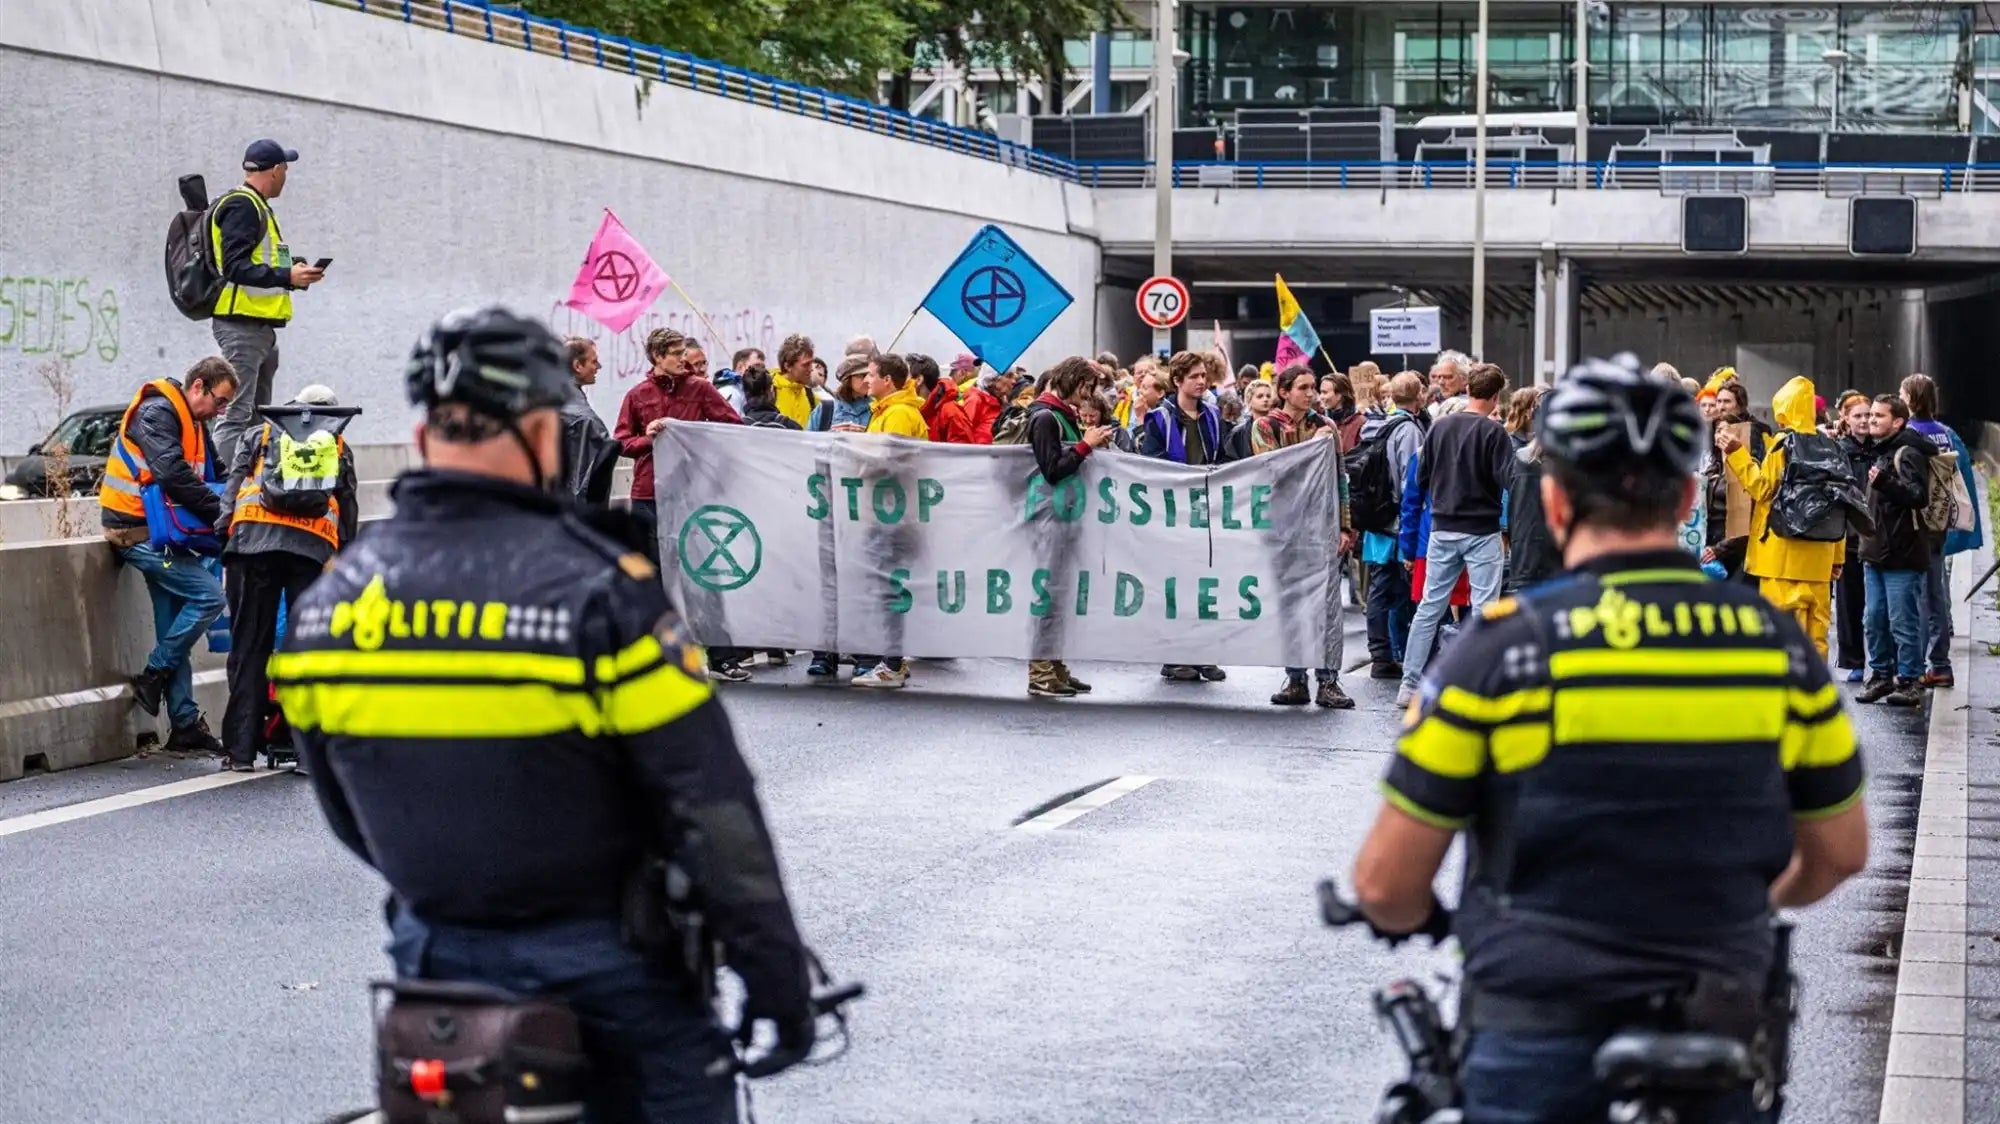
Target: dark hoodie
1057,438
1895,498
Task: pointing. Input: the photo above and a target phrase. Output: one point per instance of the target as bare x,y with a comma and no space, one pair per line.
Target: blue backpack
168,524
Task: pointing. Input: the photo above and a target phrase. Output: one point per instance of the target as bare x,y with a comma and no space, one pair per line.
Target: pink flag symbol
619,279
1288,353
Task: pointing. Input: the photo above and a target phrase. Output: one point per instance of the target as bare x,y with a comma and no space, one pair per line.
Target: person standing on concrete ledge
163,440
293,506
259,275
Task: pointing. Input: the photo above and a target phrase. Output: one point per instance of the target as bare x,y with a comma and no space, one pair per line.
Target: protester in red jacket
983,403
668,393
941,410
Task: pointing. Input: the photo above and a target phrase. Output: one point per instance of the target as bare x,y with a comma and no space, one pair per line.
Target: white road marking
1924,1080
1096,798
72,812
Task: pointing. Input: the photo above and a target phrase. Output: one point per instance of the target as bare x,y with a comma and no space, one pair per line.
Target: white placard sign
1404,331
881,545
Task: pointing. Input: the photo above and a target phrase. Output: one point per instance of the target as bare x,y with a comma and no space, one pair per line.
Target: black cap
264,155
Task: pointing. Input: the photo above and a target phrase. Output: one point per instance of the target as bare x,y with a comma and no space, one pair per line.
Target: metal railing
587,46
1926,180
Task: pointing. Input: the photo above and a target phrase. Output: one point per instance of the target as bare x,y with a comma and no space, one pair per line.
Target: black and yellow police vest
249,301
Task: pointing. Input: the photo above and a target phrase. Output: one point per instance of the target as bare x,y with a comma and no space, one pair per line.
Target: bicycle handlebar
1338,913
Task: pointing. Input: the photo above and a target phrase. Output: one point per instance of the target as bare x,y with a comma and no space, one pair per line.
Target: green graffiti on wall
63,316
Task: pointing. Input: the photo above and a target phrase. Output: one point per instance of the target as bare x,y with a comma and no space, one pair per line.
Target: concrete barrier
78,623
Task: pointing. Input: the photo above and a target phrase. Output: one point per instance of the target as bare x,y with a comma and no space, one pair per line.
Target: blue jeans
1893,622
186,600
1389,611
1450,554
1514,1077
648,1044
1937,614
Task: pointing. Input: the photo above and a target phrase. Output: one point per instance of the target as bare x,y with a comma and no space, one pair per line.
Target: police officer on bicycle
1646,764
498,714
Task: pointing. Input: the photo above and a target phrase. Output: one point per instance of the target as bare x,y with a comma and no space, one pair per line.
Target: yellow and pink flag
619,280
1297,342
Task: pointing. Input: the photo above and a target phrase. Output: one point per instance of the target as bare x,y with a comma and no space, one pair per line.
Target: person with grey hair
1667,372
1448,377
292,504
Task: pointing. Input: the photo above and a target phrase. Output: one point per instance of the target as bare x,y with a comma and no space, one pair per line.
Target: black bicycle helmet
1608,417
491,361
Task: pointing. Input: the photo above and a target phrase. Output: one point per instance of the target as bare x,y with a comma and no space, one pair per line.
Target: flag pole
1330,364
905,328
721,340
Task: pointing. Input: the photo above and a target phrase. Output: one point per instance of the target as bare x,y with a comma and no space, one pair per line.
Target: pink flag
1288,353
619,279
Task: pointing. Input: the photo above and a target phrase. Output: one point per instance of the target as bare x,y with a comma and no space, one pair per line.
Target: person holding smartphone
259,277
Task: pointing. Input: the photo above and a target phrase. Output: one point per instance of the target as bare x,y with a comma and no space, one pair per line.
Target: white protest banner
885,546
1404,331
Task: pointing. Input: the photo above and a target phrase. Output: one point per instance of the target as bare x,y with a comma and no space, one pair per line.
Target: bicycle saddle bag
454,1053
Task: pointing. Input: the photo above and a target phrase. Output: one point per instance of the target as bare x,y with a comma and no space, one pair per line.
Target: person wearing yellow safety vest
258,276
163,440
276,550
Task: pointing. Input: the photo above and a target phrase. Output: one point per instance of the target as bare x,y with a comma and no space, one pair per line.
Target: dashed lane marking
1072,810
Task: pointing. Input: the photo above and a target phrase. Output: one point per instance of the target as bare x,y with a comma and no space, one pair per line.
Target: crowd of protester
1446,513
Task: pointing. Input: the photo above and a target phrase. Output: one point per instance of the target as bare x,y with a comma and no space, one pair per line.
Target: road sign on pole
1163,302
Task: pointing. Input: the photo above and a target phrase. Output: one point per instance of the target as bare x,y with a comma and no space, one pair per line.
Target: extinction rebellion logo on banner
856,542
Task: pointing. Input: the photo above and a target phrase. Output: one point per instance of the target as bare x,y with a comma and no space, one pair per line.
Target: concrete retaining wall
440,171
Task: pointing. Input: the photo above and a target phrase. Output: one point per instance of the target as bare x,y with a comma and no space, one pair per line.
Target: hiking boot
1878,689
1181,673
1211,673
1908,693
193,738
1940,679
881,677
1385,669
1293,693
1332,697
149,687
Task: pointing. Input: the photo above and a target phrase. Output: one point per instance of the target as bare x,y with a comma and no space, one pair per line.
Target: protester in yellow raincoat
1794,575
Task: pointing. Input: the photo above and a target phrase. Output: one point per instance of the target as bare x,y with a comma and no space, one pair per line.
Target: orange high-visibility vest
121,487
250,506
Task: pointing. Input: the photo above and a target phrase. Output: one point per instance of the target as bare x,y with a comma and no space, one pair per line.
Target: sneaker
1854,675
1938,679
727,673
1385,669
1332,697
232,765
1049,687
1908,693
880,677
1293,693
1071,681
1211,673
194,738
820,669
149,687
1878,689
778,657
1181,673
1406,696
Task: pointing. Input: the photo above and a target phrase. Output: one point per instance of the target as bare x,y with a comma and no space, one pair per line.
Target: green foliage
845,44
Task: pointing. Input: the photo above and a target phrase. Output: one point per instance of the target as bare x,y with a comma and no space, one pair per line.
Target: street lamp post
1164,98
1479,196
1582,91
1837,59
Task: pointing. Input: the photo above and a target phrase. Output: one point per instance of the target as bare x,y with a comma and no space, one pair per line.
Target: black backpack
1371,480
194,280
1818,499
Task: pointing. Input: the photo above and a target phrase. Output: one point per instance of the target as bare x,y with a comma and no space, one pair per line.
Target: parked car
88,435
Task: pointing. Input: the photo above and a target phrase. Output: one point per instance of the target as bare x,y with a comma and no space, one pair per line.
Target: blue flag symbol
996,299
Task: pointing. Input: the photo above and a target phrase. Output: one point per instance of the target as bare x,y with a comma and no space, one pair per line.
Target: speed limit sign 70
1163,302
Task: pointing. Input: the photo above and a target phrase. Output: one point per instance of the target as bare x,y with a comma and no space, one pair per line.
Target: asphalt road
205,959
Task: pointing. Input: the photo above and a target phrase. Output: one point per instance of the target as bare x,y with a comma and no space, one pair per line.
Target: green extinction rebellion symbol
720,548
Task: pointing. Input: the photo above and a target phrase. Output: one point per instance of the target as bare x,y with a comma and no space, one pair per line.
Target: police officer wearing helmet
1645,763
498,715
